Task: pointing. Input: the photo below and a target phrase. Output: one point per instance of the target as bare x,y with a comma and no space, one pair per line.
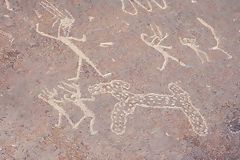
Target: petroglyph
194,1
149,7
7,35
155,41
65,24
217,39
128,101
191,42
71,94
8,5
106,44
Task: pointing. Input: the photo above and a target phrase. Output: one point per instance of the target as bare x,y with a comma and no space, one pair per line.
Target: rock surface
78,77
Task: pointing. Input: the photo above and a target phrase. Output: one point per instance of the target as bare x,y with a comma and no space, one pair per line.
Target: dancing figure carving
66,21
155,41
192,43
71,94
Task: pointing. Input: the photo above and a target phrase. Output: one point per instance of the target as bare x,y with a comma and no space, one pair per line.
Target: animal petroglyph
191,42
128,101
155,41
72,94
66,21
106,44
217,39
149,7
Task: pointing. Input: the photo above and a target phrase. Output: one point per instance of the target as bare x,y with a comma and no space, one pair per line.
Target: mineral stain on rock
234,125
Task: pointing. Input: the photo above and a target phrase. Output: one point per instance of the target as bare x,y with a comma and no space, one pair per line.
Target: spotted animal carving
128,101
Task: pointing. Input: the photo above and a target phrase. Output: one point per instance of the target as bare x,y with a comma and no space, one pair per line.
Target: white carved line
65,24
155,41
191,42
179,99
148,9
49,97
106,44
73,95
217,39
8,5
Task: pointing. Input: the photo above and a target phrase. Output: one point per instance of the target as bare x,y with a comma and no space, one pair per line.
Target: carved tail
195,118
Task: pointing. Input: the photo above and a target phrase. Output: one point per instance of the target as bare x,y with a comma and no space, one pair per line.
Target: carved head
109,87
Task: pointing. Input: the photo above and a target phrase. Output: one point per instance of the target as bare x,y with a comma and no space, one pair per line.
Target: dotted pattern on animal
179,99
119,119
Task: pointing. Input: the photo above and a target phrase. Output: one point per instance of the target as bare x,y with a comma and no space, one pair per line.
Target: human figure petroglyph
50,97
65,24
65,20
128,101
72,94
217,39
192,43
155,41
149,7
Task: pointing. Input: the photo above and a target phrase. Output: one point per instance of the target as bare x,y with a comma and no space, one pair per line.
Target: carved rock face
52,50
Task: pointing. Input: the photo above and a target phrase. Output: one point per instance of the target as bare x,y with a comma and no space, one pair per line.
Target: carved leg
119,120
92,122
164,6
195,118
164,64
199,56
78,70
79,122
205,55
220,49
59,120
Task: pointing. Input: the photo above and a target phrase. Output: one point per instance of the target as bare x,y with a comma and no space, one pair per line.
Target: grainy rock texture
77,79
